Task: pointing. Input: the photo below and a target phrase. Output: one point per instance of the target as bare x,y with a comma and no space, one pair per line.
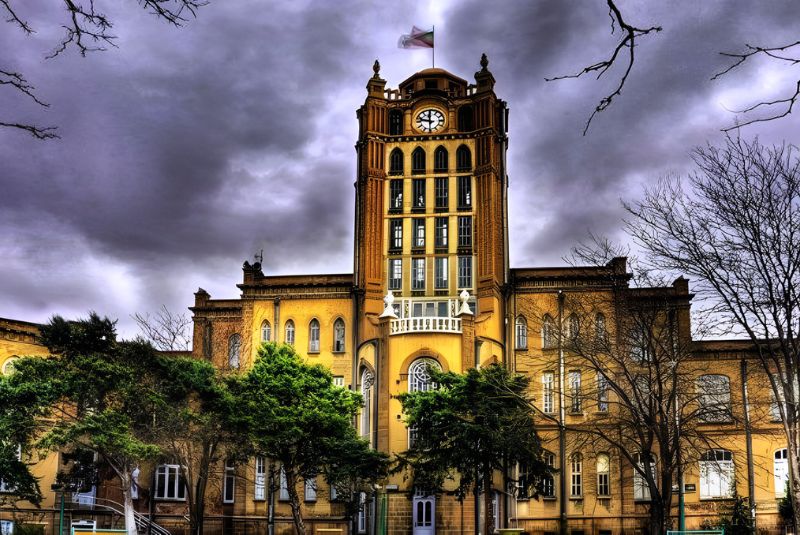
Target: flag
416,39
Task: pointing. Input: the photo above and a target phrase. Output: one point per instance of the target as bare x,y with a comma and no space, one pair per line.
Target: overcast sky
184,151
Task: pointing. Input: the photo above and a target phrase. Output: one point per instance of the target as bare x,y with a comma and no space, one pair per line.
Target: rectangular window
575,401
310,488
441,193
170,484
464,192
717,474
417,273
259,492
465,231
395,194
396,234
440,234
465,272
441,273
229,487
419,232
603,475
547,393
576,476
548,481
602,393
395,273
714,397
338,380
419,192
283,493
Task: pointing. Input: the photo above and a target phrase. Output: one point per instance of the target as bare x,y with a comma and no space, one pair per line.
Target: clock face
430,120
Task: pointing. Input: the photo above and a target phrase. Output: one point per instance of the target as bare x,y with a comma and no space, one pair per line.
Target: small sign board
690,487
91,531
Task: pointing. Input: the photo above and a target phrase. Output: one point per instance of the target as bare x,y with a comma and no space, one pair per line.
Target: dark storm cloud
186,151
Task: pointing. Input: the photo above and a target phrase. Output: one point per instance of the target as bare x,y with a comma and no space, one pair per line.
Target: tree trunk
127,502
794,481
488,510
294,500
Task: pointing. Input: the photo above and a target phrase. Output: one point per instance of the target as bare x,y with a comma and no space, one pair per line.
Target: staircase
142,522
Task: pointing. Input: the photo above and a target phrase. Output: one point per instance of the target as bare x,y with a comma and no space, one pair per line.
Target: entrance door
424,513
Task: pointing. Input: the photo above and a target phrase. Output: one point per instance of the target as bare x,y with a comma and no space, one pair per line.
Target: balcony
425,325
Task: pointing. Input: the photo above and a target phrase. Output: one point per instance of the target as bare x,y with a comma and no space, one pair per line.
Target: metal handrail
141,520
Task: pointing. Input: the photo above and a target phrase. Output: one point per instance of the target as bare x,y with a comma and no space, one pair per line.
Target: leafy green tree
93,393
468,427
297,417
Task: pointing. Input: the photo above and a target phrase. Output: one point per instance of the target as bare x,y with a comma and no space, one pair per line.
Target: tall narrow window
463,159
781,471
367,379
418,161
283,493
259,492
641,489
289,336
548,332
419,380
548,406
775,405
229,487
395,274
417,273
600,333
441,232
313,336
441,275
714,397
602,392
576,475
464,192
717,476
575,399
395,123
465,272
465,231
521,333
310,489
419,232
338,335
603,475
548,481
266,331
396,234
441,188
396,162
396,194
440,160
234,350
418,185
573,328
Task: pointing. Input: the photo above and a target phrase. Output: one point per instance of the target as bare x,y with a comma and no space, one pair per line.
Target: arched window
463,159
419,377
440,160
367,379
714,396
576,475
266,331
234,350
573,328
418,161
338,335
641,490
289,333
465,122
781,471
8,366
395,123
396,162
717,474
521,333
600,332
603,475
548,332
313,336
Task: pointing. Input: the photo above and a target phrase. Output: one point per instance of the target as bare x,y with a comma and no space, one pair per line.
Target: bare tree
86,28
166,330
735,229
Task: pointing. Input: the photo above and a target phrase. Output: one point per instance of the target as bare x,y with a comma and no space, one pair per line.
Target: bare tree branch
14,18
39,132
629,35
165,330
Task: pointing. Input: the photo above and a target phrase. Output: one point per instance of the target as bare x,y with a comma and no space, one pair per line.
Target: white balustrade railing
425,324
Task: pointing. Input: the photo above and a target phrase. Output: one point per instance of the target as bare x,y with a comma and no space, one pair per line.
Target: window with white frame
602,392
573,328
781,472
523,481
548,405
417,273
575,397
548,481
419,380
521,333
338,335
367,380
548,332
441,271
717,474
714,395
289,333
396,234
465,272
310,489
229,483
419,232
576,475
641,490
266,331
338,380
603,475
313,336
283,487
170,484
234,350
395,273
259,492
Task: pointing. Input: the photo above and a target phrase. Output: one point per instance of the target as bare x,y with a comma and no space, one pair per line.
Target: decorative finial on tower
484,62
388,311
465,309
376,68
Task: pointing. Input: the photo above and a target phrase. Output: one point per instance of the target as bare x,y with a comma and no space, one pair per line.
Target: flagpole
433,48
